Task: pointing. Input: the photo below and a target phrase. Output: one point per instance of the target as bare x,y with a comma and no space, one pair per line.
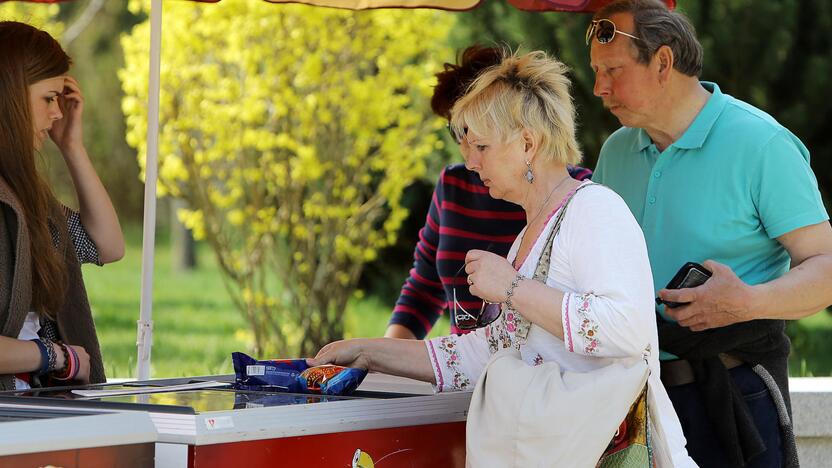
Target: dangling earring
529,174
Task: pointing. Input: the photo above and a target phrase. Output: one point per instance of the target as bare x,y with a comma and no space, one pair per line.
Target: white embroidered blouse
599,260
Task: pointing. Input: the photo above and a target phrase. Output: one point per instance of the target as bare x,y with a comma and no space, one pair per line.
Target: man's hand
723,300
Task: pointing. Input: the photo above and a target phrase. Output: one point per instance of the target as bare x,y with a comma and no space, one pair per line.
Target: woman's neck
540,201
548,184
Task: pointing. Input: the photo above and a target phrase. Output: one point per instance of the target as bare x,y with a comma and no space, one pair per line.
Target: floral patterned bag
630,447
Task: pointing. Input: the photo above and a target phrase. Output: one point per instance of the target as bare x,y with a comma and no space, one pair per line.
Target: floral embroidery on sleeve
501,334
447,345
589,327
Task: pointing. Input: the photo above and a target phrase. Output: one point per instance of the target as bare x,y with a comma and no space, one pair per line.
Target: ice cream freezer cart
206,422
36,436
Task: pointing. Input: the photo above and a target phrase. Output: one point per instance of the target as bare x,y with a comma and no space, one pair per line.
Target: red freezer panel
121,456
433,445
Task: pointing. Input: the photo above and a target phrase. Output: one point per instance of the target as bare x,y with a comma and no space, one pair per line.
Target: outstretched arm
401,357
97,213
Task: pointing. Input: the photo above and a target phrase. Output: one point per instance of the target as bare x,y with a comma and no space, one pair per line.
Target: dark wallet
690,275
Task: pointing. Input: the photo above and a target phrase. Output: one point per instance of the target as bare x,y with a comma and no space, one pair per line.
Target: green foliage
41,16
811,345
291,132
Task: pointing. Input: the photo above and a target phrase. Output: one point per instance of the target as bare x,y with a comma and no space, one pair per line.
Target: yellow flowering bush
41,16
291,132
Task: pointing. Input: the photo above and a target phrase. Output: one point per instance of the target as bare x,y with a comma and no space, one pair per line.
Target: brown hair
454,80
655,26
27,56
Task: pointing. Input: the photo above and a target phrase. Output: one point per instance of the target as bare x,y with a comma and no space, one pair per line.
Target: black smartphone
690,275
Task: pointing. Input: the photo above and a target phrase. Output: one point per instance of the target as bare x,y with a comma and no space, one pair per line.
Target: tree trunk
183,245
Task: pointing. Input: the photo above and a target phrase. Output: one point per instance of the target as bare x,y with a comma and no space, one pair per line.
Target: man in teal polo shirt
713,180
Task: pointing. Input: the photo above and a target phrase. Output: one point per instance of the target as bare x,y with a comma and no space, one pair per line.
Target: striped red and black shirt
462,216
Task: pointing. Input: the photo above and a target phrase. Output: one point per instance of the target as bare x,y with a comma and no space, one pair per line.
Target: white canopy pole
144,338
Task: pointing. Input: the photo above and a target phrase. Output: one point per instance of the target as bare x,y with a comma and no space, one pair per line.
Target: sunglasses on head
465,320
457,137
604,30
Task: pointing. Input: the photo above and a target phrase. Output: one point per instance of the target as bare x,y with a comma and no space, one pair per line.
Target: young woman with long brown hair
47,333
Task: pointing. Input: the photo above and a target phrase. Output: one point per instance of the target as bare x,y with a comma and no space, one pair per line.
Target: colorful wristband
44,357
76,363
67,370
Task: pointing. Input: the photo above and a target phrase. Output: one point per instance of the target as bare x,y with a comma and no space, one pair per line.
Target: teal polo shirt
734,182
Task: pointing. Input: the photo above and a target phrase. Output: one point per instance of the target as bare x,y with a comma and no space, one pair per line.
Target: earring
529,174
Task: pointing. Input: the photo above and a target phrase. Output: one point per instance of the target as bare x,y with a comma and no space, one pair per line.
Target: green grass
811,345
196,327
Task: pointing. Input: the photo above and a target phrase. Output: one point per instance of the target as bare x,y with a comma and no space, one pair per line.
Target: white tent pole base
144,334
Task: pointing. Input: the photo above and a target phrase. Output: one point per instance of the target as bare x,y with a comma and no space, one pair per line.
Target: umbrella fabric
455,5
529,5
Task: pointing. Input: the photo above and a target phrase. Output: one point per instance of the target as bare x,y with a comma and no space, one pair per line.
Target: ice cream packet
295,375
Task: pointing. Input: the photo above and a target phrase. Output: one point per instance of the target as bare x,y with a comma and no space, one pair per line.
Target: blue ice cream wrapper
295,376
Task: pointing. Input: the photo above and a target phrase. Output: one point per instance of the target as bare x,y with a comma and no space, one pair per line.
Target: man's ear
664,62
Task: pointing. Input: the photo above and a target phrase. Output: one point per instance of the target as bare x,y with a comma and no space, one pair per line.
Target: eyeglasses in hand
466,320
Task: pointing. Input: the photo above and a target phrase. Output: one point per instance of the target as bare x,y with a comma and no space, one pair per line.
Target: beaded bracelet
53,356
68,365
510,291
44,357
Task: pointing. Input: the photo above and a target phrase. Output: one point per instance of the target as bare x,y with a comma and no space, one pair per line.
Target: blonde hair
530,92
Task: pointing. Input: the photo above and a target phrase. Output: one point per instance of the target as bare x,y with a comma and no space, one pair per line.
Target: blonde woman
592,305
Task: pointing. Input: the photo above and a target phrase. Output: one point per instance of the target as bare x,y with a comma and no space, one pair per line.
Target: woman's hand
97,213
83,361
489,275
406,358
83,364
348,353
67,133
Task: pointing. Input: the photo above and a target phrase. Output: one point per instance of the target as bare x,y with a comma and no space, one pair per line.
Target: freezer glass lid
191,398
